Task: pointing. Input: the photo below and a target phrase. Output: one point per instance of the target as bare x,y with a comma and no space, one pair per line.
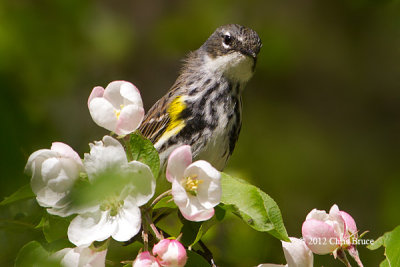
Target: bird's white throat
235,66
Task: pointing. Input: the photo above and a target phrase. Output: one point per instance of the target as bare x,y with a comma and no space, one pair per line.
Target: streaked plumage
203,107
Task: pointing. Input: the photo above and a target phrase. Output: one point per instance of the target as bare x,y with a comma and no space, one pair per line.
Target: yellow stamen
113,204
191,184
118,111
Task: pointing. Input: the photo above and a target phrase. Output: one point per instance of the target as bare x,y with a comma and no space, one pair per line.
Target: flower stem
153,227
342,257
145,237
207,254
354,253
161,196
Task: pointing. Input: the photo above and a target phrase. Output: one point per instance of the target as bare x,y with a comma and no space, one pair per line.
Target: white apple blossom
80,257
297,254
196,187
118,108
54,172
117,215
170,253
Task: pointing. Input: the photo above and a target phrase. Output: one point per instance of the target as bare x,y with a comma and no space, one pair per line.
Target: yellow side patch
174,110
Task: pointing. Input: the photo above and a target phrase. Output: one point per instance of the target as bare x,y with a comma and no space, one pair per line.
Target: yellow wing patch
175,122
174,111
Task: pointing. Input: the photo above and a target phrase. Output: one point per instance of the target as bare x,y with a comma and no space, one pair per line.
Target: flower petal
131,94
98,91
194,211
129,120
113,93
36,159
350,223
103,113
70,171
66,151
128,222
89,227
104,155
318,215
144,259
161,247
51,167
179,194
143,181
209,190
34,168
67,257
338,221
80,257
297,253
98,259
64,208
178,161
320,237
48,198
60,174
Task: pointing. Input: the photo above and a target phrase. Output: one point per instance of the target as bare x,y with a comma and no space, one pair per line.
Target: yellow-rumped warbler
203,107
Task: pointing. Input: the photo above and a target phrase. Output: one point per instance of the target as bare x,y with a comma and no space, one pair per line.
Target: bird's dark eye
227,39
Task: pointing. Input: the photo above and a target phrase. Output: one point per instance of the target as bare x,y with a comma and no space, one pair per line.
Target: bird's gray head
233,38
232,50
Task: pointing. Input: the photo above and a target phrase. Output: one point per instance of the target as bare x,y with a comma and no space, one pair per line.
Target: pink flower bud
324,233
170,252
145,259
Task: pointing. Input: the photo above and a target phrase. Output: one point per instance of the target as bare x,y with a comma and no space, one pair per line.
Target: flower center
191,184
113,204
118,111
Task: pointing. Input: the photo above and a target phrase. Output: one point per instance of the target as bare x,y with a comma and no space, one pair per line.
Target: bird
203,108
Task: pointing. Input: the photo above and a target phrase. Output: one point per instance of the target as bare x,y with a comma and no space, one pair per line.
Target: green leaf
41,223
392,247
57,245
21,215
379,242
384,263
143,150
55,228
165,202
34,255
390,241
23,193
195,260
253,206
192,232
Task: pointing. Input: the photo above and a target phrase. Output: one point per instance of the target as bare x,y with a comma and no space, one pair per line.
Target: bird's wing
156,121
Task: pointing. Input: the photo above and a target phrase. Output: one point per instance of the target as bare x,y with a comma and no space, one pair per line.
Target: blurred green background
321,121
